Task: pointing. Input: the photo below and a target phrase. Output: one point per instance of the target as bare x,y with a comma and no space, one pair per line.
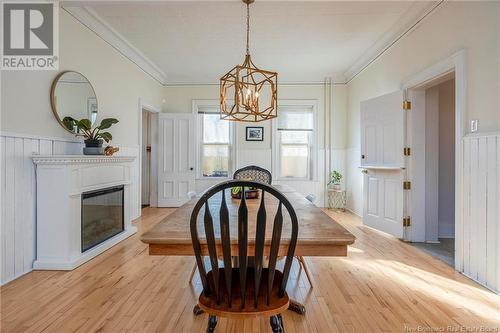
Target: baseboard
48,264
482,284
353,212
3,283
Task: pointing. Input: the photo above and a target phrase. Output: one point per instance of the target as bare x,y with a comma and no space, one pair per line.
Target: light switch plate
474,123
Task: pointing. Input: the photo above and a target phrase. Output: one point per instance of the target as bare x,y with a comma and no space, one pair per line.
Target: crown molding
408,22
280,84
101,28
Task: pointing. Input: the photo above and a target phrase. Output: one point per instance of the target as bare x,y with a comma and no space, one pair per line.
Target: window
215,146
294,138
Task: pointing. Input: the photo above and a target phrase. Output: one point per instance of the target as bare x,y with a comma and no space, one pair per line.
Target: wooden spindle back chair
249,289
251,172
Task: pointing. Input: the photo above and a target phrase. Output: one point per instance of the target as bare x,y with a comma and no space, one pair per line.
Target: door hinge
406,105
406,151
406,221
406,185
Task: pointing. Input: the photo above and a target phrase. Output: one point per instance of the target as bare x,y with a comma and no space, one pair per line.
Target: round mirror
73,98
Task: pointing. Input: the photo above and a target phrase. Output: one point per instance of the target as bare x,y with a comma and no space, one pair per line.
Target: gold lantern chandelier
254,90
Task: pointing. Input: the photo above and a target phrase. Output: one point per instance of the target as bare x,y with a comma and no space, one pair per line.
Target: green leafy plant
237,189
85,129
335,178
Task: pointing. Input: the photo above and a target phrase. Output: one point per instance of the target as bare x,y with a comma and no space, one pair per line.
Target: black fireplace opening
102,216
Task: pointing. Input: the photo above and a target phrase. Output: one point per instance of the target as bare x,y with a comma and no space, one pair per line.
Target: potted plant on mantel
335,180
93,137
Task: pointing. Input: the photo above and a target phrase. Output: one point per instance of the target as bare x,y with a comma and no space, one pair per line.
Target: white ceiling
197,42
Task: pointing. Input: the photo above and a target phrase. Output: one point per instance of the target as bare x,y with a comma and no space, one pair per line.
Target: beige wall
473,26
179,99
117,81
29,127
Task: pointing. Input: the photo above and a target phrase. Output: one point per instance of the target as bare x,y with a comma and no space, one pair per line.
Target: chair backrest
225,241
255,173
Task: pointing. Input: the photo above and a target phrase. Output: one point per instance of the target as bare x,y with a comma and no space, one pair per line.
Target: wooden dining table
319,234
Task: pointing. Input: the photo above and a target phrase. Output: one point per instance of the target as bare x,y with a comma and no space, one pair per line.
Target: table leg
297,307
197,311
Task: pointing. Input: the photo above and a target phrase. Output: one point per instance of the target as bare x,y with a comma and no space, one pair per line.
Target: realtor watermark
449,328
30,35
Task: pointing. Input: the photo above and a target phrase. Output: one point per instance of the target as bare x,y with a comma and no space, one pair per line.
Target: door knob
191,169
364,171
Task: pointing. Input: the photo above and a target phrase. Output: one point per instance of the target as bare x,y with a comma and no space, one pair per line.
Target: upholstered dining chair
255,173
246,289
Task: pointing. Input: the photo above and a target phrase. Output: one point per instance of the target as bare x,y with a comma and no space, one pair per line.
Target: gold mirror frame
53,99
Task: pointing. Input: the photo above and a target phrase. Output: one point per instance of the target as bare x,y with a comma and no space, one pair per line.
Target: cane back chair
255,173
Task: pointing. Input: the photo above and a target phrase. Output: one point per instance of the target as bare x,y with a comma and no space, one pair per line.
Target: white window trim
312,103
196,105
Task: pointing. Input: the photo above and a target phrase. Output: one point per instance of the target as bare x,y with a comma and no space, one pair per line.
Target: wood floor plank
384,285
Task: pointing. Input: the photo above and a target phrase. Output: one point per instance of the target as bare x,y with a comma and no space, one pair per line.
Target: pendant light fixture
248,93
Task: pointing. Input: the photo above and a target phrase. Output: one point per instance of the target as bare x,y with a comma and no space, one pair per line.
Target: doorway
146,159
433,165
148,155
395,145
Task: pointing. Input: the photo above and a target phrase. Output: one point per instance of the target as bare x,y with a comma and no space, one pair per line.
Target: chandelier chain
248,28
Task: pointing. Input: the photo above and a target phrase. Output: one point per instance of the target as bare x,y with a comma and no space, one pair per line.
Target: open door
176,159
383,137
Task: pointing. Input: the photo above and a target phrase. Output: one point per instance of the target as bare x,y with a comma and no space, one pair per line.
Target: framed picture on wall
255,134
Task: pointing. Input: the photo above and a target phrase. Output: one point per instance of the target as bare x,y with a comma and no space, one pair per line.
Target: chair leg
212,322
276,324
302,262
192,273
281,323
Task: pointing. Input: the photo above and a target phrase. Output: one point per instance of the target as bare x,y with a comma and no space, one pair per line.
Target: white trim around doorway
143,106
455,63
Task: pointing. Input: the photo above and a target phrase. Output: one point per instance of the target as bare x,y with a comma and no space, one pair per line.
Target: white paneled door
383,125
383,201
176,159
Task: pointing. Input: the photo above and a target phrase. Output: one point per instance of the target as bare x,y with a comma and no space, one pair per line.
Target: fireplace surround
83,207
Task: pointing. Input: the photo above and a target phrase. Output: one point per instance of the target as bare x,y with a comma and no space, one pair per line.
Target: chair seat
276,304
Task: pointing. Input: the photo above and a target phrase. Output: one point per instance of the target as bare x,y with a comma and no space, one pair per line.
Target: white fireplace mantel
61,180
79,159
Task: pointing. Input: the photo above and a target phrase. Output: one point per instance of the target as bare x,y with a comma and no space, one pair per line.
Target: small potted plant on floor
93,137
335,180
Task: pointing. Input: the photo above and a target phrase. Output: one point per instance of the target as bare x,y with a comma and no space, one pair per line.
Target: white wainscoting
481,205
17,196
354,181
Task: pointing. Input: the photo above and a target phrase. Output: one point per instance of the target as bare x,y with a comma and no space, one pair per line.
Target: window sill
213,178
294,180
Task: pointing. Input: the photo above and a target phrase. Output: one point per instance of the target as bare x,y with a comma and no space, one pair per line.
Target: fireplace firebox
102,216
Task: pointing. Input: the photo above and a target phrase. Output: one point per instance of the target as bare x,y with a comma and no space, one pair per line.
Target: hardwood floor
383,285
